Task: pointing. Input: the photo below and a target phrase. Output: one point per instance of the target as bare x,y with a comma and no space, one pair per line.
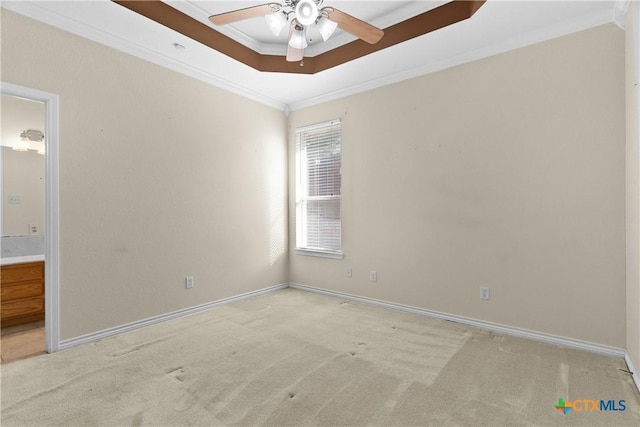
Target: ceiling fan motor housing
306,12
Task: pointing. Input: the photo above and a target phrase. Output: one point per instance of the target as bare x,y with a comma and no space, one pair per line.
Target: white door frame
52,264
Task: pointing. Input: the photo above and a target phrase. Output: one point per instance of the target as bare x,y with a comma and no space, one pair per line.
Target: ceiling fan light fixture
298,16
306,12
276,22
298,39
326,27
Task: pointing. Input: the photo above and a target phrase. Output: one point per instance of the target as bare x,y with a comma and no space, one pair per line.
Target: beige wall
161,176
633,182
508,172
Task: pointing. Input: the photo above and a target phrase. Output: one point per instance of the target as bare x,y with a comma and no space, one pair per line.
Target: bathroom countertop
21,259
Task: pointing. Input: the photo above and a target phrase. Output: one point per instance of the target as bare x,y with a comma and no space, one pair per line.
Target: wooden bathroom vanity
22,293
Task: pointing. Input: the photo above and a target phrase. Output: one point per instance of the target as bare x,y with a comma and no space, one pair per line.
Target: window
318,160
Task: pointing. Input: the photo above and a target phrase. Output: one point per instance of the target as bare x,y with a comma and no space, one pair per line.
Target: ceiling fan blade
246,13
361,29
293,54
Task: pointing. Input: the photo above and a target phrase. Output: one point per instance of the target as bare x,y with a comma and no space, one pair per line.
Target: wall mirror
23,167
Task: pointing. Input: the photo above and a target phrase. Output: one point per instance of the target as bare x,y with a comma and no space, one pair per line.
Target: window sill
320,254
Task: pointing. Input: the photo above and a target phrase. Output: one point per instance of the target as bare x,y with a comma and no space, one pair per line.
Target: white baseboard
634,370
507,330
84,339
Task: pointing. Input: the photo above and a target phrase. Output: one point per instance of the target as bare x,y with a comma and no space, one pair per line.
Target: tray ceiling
498,26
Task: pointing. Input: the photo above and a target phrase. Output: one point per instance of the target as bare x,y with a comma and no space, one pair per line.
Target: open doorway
29,221
22,229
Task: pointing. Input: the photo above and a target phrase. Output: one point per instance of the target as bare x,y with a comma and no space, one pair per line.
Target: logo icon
590,405
563,406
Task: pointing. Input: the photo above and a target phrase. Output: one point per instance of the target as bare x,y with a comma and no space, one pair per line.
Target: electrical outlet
33,228
188,282
373,276
348,273
484,292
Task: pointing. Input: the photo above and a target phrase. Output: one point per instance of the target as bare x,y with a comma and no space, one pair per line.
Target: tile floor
22,341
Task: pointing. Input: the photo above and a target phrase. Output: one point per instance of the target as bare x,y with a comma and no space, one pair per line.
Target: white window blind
318,196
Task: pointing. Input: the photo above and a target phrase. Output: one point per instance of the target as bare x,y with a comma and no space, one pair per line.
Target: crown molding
620,13
433,19
34,11
523,40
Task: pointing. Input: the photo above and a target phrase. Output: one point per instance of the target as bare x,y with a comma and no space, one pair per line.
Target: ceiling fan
299,15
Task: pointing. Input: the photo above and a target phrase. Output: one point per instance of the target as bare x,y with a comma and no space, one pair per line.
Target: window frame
302,198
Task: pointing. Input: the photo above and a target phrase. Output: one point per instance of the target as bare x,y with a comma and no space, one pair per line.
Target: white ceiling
497,27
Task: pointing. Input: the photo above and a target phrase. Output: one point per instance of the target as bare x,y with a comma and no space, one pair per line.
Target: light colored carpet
297,358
